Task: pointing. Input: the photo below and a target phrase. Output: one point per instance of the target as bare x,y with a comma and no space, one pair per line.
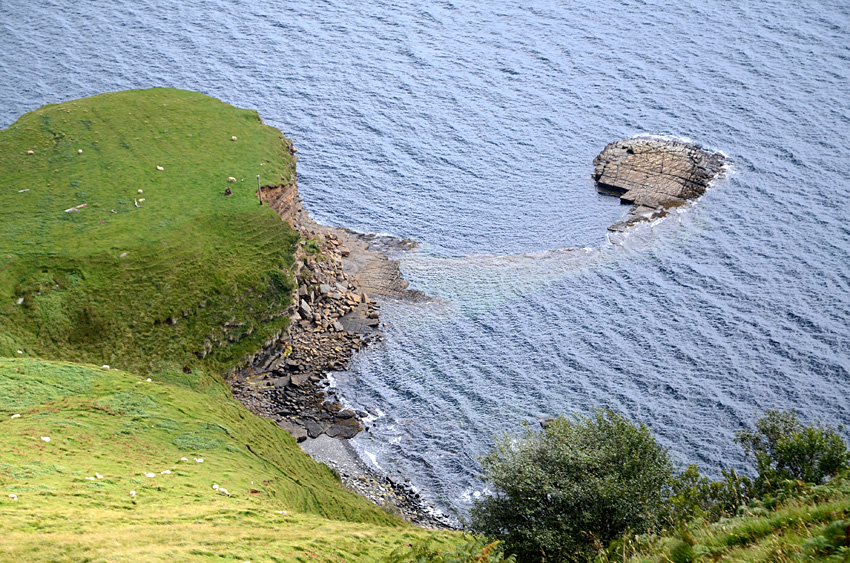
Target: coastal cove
471,128
287,381
123,310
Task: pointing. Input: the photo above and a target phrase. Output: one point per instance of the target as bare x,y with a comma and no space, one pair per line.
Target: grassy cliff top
145,285
282,505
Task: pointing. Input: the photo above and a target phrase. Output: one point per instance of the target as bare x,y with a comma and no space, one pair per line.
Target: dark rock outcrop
654,175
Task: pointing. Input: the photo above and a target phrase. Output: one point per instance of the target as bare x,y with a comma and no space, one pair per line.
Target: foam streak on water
471,126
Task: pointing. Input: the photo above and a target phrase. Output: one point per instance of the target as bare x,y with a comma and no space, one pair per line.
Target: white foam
372,459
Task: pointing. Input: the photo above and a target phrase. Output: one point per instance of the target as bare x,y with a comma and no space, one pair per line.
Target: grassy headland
169,282
198,268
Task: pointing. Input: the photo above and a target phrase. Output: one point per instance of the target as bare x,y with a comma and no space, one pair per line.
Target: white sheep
13,496
132,493
16,416
45,438
160,168
223,491
151,475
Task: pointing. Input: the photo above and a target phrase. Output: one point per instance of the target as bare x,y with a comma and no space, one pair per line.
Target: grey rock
296,431
315,428
305,310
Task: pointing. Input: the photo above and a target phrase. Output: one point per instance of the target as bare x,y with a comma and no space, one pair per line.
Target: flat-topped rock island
654,175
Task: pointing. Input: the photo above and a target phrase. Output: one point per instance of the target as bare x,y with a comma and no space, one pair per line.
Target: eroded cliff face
332,317
654,174
285,200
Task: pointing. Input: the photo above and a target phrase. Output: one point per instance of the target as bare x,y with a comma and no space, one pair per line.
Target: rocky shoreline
330,320
334,315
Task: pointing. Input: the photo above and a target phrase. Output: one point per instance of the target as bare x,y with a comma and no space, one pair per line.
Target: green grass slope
121,426
804,523
198,269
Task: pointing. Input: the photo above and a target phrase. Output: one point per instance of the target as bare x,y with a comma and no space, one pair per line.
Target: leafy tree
785,449
564,493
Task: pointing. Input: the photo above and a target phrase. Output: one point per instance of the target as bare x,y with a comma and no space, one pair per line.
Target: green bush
695,496
785,449
564,493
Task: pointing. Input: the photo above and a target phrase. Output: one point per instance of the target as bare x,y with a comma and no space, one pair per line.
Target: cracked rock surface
654,175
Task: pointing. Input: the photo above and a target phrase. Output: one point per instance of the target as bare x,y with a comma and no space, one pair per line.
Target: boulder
315,428
654,174
344,428
297,432
305,310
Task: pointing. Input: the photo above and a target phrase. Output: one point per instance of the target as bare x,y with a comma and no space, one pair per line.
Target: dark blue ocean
470,127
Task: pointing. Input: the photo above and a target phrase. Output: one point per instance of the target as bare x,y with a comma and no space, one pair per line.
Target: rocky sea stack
654,175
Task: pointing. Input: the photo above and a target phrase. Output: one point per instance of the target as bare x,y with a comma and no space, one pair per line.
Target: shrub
694,495
784,449
562,494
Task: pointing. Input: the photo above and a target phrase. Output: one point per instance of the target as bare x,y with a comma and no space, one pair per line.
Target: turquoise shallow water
471,127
